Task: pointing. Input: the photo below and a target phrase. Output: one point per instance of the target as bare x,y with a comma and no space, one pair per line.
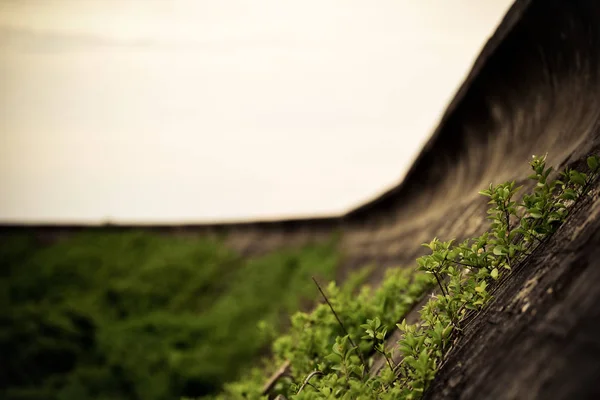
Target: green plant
327,364
141,315
378,333
503,237
309,343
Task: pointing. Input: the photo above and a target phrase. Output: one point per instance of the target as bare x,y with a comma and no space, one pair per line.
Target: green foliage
315,340
324,362
141,316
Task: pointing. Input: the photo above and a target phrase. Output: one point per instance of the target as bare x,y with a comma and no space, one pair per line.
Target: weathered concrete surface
540,336
535,88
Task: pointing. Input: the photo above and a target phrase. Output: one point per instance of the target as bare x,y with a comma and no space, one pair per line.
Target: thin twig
282,371
362,360
389,362
439,283
308,378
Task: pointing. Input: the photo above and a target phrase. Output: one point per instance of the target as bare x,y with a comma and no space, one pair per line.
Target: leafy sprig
319,345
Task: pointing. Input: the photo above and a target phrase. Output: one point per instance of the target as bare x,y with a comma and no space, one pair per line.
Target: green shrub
328,348
141,316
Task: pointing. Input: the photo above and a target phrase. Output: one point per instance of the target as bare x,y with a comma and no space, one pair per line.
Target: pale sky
208,110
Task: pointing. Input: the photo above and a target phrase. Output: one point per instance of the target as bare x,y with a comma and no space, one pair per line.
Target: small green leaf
499,250
535,213
494,273
577,178
569,194
593,163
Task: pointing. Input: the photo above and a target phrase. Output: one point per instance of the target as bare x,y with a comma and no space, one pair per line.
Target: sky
169,111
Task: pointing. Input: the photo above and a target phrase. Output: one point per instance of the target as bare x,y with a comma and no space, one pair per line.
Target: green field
142,316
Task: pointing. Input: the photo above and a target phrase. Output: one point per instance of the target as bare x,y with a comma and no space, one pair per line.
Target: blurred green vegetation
141,316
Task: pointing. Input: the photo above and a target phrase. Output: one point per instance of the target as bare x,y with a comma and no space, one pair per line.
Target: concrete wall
535,88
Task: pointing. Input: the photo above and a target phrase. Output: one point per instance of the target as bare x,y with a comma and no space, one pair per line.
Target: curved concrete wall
535,88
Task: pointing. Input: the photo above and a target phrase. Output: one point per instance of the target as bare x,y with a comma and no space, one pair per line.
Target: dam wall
534,88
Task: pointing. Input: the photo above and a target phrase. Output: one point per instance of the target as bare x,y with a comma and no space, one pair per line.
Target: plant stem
308,378
439,283
389,361
507,215
362,360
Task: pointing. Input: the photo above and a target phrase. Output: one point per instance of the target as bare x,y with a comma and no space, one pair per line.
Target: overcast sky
203,110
